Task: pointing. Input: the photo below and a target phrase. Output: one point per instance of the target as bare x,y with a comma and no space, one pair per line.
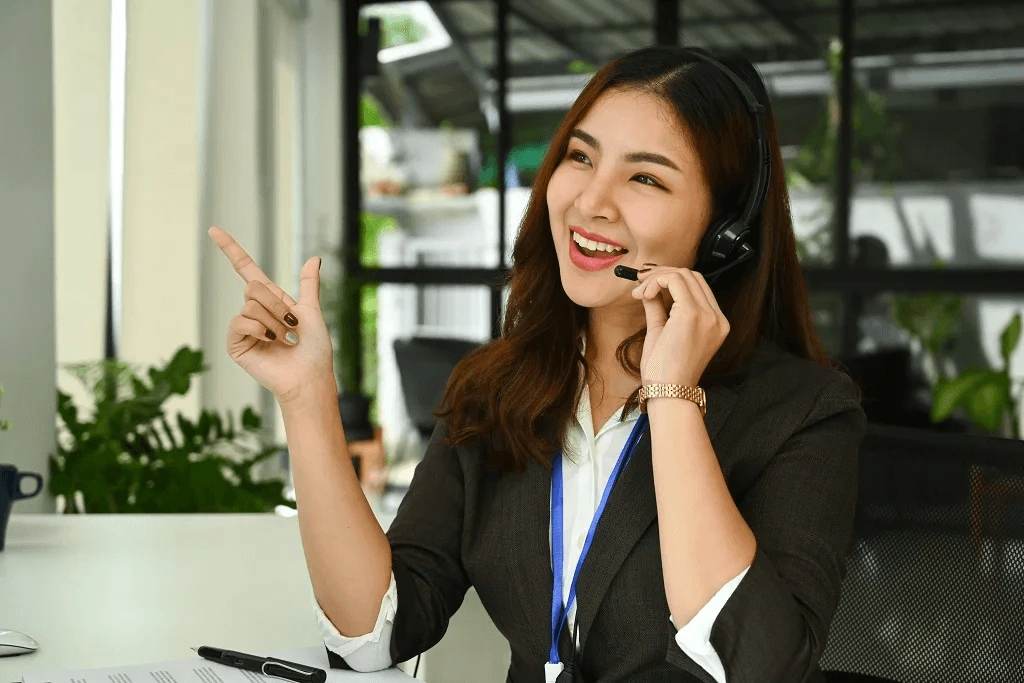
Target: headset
730,240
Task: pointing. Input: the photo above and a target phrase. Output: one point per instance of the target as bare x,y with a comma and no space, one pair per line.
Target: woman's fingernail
270,335
643,270
291,319
292,339
651,264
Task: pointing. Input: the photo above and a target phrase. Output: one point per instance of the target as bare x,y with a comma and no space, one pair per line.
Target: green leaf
250,419
264,454
928,317
951,393
371,113
69,414
988,402
138,387
187,429
203,426
169,432
578,66
1010,338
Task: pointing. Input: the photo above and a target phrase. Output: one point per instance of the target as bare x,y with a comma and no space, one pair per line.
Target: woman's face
629,178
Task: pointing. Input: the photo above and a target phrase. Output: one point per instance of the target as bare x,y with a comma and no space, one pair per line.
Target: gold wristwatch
695,394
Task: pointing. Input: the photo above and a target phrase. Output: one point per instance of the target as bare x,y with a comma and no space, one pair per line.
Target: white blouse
585,477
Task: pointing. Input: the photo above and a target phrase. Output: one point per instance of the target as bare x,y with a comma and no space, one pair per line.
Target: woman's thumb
309,282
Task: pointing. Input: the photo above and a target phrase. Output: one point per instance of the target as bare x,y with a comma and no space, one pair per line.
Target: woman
714,543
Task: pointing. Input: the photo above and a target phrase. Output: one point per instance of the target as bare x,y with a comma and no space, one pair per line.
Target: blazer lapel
630,510
529,550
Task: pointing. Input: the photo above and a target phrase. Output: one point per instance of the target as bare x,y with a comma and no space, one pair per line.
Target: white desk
104,590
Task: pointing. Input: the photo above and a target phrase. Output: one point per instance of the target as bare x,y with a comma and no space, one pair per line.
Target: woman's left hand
685,326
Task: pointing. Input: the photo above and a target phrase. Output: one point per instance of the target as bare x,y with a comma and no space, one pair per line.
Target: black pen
268,666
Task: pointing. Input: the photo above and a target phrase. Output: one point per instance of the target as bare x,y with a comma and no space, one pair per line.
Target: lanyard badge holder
554,669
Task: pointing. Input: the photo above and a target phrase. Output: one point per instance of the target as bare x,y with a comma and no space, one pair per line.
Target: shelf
405,206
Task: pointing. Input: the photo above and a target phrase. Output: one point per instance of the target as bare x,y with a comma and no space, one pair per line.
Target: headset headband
764,159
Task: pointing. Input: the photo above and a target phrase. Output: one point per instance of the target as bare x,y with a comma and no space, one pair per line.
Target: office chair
892,390
424,365
934,591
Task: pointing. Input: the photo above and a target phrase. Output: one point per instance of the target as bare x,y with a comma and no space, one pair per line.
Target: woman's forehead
635,120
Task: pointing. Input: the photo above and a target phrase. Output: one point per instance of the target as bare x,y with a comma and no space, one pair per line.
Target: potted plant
127,458
990,397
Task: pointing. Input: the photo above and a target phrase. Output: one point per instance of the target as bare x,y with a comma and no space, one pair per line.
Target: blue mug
10,491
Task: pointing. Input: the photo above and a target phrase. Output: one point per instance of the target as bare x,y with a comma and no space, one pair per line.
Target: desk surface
104,590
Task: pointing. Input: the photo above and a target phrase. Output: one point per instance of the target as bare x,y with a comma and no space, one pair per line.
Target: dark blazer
787,437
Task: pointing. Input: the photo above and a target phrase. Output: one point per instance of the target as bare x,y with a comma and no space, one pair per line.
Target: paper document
199,670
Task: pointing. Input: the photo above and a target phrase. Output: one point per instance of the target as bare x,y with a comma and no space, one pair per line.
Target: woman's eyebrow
587,138
632,157
652,158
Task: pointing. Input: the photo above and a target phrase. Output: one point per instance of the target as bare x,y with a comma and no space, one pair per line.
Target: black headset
730,240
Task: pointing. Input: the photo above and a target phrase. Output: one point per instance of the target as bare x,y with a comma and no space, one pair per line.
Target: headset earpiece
732,241
720,243
725,245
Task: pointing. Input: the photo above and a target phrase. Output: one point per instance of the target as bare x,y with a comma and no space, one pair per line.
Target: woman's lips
596,238
590,263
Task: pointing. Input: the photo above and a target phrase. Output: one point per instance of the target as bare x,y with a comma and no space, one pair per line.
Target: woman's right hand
257,336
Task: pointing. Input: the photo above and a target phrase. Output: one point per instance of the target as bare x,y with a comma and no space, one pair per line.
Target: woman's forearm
347,553
705,541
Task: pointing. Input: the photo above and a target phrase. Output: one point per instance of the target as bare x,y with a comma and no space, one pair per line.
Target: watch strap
695,394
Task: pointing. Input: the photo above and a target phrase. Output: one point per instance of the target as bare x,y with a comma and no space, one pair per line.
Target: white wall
232,199
321,122
192,158
162,231
81,116
27,339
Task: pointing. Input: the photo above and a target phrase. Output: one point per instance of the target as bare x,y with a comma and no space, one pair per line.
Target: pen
268,666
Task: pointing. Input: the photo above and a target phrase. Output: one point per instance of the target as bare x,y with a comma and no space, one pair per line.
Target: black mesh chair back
934,591
424,365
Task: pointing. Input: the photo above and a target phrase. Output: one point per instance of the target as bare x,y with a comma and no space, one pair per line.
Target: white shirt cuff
369,652
695,637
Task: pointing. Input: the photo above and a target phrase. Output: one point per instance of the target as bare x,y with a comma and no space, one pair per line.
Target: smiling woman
658,146
717,550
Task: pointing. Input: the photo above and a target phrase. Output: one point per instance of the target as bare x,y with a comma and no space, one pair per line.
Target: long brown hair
519,393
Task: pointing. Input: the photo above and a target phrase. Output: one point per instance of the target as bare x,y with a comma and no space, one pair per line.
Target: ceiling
547,36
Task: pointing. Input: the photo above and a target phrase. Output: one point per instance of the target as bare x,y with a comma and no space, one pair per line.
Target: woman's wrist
310,394
658,390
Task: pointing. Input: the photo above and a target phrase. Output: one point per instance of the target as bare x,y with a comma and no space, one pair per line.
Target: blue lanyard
559,615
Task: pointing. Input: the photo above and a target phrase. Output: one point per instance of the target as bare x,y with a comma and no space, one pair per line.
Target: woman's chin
591,297
589,290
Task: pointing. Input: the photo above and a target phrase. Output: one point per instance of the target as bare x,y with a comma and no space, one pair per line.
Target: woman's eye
576,155
646,180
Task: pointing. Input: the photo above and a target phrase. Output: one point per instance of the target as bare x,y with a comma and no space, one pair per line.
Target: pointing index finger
243,263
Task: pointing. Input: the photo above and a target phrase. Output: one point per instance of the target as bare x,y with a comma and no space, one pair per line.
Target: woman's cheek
557,189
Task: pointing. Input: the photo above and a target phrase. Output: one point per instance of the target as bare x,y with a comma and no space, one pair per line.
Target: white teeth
595,246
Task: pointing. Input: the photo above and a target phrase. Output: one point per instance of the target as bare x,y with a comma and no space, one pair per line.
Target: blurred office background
398,140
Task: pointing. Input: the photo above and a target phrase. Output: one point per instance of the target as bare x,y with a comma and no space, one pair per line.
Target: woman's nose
596,200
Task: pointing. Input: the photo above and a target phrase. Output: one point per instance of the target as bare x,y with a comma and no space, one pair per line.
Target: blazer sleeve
801,509
426,558
368,652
